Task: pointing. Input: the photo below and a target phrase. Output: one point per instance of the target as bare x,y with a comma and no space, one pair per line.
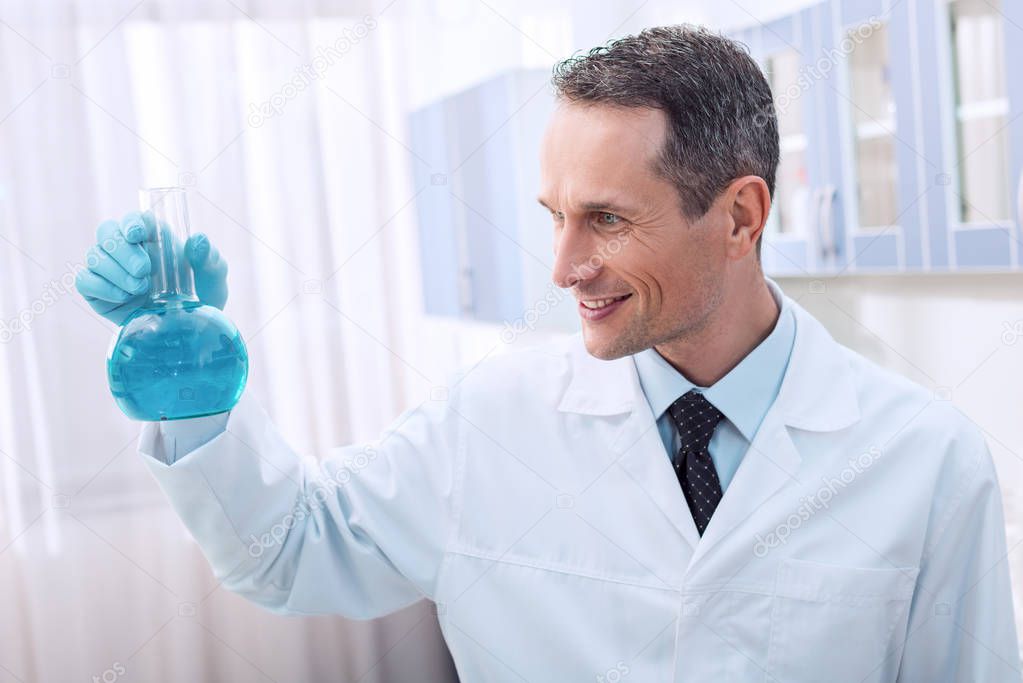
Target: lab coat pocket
836,623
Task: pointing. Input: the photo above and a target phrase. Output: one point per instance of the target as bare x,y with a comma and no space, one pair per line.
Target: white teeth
600,303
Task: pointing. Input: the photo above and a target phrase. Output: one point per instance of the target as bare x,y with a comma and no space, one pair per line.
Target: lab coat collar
817,394
744,394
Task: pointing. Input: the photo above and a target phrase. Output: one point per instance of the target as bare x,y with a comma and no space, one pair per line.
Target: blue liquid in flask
177,360
174,357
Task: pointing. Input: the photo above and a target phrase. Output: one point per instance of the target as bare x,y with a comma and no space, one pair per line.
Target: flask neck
165,215
170,276
170,299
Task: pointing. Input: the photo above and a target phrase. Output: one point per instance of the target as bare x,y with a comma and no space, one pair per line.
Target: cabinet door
979,42
469,148
484,187
909,143
442,262
1013,41
805,231
885,171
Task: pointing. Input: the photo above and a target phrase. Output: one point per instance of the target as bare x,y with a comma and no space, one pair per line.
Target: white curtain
308,193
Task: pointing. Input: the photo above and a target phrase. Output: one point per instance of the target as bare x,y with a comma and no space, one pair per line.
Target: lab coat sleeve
360,533
961,625
181,437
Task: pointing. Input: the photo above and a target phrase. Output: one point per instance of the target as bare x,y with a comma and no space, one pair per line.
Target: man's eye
557,215
607,218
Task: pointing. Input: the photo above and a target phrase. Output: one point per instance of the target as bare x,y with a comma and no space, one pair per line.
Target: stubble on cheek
633,332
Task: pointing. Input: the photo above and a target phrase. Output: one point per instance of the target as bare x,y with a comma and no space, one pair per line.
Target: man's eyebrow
608,206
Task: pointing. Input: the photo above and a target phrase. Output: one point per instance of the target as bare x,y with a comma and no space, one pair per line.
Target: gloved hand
116,281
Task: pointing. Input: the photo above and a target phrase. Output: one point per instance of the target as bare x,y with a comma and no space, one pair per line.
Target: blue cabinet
807,227
485,246
979,45
901,129
901,132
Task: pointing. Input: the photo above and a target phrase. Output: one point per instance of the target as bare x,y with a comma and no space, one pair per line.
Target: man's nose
574,260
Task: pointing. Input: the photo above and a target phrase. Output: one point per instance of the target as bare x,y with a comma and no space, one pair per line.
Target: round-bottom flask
174,357
177,360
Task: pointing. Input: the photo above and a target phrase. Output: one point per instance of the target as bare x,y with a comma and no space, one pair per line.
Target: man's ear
748,203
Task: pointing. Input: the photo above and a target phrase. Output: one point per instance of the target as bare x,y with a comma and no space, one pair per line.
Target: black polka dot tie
696,418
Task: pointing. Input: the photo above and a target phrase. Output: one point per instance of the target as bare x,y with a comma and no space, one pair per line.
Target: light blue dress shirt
743,395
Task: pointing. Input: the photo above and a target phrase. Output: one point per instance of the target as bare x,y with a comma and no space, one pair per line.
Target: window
873,117
791,186
981,111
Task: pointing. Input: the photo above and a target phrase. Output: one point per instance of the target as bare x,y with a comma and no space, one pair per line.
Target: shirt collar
745,394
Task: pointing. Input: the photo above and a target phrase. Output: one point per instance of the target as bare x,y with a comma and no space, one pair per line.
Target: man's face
619,231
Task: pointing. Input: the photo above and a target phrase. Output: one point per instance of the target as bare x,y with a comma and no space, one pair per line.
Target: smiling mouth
597,304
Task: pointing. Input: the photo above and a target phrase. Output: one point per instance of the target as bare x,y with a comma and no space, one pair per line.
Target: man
702,485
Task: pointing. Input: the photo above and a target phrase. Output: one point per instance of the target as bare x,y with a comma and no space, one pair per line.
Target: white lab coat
861,539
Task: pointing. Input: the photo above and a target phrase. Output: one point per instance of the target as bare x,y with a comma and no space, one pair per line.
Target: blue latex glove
116,280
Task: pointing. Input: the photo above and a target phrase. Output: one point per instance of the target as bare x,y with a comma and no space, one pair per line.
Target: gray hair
721,119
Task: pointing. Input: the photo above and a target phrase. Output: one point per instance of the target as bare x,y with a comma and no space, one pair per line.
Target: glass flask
174,357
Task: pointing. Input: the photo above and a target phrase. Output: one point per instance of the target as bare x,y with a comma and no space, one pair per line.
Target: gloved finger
116,313
132,257
135,228
91,285
104,265
102,307
199,251
209,269
204,257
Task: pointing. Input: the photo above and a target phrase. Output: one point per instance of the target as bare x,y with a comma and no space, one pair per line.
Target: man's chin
605,346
